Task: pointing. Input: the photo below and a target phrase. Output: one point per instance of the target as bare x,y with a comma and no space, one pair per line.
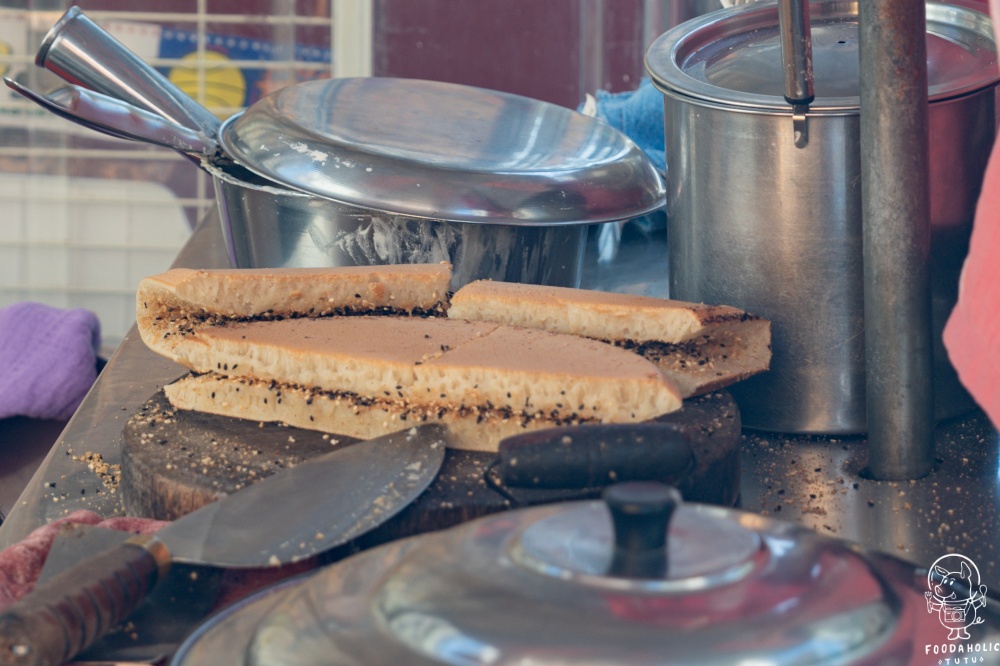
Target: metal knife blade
320,504
291,515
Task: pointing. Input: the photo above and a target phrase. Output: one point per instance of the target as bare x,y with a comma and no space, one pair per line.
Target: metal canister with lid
760,223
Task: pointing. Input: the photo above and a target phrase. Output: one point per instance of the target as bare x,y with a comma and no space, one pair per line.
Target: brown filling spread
702,352
181,322
728,317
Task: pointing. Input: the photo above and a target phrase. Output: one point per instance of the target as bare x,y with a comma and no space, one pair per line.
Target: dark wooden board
174,462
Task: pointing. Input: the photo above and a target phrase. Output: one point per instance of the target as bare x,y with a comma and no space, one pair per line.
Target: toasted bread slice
169,306
700,347
363,376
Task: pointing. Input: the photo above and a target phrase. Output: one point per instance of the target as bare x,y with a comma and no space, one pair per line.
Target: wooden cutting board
174,462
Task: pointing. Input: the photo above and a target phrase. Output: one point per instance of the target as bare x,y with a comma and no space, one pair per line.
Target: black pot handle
595,456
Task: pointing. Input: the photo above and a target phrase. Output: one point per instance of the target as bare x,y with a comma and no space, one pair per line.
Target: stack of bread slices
361,351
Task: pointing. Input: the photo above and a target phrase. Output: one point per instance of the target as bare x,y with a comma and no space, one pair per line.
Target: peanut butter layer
441,361
385,339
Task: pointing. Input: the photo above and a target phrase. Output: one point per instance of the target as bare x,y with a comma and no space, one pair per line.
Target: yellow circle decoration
5,50
225,87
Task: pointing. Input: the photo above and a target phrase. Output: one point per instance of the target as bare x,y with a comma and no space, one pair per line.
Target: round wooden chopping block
174,462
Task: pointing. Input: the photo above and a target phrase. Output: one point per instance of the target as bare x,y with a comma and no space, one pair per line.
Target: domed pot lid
585,583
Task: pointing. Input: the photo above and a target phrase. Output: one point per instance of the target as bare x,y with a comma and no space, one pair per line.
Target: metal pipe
896,236
796,50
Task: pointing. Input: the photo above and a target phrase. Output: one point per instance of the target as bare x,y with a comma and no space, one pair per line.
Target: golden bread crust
700,347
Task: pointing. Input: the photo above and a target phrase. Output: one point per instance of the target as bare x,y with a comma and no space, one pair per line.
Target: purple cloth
48,359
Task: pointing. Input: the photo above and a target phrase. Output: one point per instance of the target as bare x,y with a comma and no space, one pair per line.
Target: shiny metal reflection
444,151
81,52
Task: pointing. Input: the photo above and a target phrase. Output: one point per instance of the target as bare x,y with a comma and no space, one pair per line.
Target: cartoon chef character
955,594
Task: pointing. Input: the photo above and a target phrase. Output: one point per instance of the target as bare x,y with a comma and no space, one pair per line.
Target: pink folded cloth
21,564
972,334
48,359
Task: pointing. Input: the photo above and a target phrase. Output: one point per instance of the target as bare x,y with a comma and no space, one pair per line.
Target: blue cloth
48,359
639,115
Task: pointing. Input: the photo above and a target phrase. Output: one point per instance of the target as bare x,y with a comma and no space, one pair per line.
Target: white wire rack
83,217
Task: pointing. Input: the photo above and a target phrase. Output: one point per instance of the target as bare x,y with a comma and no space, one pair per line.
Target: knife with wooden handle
289,516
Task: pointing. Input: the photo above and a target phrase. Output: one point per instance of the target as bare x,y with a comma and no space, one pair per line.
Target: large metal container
264,224
761,224
373,170
408,171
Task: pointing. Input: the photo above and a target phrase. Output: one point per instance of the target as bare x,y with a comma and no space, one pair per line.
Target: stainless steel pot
637,579
405,171
368,171
321,232
759,223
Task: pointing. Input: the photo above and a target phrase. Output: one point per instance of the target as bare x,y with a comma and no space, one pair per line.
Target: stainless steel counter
817,481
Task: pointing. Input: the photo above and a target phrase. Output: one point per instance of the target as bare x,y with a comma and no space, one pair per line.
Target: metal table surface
816,481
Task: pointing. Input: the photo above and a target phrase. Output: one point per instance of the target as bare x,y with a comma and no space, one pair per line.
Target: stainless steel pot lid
733,57
444,151
533,586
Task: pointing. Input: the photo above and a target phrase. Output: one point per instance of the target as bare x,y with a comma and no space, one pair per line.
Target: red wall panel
555,50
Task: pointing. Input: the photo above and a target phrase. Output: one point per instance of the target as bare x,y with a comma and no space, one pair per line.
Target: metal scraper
294,514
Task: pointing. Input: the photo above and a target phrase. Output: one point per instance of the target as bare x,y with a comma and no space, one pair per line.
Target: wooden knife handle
595,455
64,615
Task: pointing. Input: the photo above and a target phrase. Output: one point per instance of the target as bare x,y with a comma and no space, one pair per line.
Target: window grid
72,234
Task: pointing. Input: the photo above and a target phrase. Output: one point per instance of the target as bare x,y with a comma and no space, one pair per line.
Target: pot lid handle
640,514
